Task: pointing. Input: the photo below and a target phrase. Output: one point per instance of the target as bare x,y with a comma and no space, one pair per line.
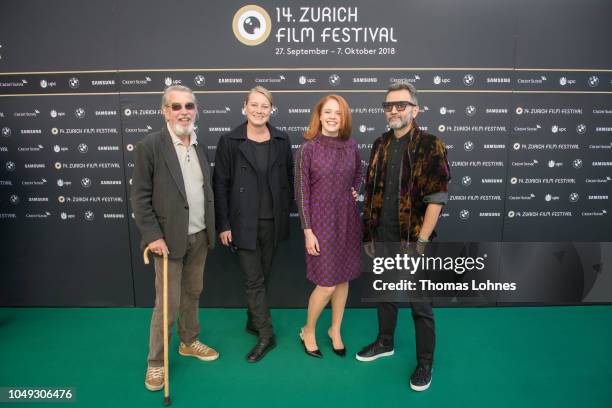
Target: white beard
182,131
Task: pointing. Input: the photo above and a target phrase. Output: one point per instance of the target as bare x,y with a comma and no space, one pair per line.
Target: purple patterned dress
325,170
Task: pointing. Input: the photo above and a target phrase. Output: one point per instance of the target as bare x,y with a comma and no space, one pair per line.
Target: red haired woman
327,176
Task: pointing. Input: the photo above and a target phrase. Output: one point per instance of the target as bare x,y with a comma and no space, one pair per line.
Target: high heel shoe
339,352
314,353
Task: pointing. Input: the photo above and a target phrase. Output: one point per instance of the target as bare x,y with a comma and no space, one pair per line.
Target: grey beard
181,131
398,124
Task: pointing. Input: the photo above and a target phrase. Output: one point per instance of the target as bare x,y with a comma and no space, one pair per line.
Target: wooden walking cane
165,323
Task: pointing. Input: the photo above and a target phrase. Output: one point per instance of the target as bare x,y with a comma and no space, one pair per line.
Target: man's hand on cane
159,247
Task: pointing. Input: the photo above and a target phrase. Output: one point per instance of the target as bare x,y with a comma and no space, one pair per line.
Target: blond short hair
259,89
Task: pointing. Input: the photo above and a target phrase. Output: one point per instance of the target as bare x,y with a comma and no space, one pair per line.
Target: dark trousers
422,311
424,328
256,266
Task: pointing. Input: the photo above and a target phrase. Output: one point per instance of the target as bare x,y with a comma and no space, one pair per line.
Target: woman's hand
312,243
226,237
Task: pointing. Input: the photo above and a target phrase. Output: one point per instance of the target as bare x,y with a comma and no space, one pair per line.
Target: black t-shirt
262,156
389,219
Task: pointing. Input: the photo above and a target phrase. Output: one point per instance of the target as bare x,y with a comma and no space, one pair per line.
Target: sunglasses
177,106
399,105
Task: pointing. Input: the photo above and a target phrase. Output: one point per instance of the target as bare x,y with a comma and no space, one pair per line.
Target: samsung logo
496,110
365,80
108,148
106,113
230,80
34,166
31,132
219,129
103,83
299,110
114,216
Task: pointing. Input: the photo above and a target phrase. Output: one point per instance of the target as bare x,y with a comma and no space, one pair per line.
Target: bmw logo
593,81
468,80
200,80
73,83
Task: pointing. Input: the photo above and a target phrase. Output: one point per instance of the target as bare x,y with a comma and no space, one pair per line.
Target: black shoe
420,378
314,353
260,350
251,329
339,352
373,351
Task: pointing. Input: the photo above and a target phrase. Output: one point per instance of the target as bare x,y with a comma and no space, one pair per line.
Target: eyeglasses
177,106
399,105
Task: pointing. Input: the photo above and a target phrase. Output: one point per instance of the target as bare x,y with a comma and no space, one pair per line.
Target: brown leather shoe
198,350
154,378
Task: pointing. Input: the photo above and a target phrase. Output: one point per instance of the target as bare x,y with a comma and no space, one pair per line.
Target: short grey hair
404,86
176,88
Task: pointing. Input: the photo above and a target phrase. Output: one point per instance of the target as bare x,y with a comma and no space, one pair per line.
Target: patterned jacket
424,182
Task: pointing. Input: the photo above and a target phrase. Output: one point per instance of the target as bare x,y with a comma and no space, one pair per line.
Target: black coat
236,188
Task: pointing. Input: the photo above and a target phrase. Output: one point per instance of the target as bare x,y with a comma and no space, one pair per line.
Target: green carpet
485,357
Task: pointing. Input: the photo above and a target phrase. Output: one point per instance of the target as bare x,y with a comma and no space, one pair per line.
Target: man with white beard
172,199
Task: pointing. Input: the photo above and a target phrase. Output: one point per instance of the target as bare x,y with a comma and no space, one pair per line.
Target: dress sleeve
302,184
358,178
